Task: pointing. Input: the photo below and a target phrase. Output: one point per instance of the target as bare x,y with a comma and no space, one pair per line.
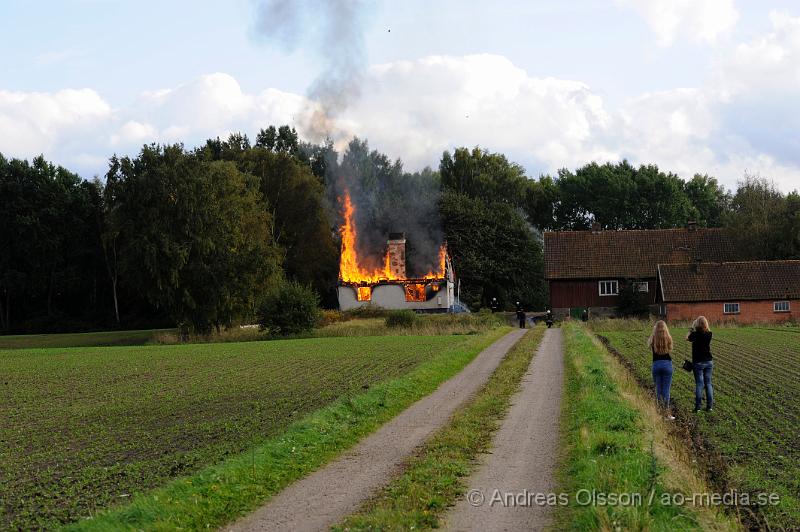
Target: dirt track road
333,492
524,452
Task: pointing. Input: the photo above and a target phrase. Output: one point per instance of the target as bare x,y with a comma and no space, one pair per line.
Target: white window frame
613,284
638,285
786,304
726,311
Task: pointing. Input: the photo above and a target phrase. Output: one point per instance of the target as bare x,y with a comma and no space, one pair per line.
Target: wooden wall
586,293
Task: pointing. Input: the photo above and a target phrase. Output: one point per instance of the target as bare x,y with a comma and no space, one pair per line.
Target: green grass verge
424,324
91,339
604,450
338,324
435,476
218,494
750,442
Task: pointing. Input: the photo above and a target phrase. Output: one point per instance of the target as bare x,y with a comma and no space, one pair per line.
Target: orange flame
442,265
350,269
415,292
364,293
350,265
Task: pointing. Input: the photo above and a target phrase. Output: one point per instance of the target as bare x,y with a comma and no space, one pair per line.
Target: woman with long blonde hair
660,343
702,363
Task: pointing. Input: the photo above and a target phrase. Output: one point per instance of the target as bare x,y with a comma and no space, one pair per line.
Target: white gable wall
393,297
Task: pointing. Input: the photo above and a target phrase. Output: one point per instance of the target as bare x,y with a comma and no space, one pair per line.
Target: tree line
199,238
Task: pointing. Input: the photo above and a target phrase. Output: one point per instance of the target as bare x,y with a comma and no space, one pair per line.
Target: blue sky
709,86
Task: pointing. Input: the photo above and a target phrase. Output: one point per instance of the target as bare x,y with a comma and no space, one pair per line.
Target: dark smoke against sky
386,199
335,28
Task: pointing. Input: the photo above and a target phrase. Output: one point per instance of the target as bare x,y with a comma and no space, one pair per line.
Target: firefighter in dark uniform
520,316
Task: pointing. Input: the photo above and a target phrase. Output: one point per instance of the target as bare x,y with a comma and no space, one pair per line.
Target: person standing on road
660,343
521,317
702,363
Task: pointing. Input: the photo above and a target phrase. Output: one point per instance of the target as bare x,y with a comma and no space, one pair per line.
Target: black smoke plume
386,198
335,28
389,200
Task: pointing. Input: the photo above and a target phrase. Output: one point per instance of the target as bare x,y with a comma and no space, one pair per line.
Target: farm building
745,292
587,269
392,289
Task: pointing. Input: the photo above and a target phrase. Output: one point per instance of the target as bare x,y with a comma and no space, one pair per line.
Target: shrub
292,308
632,303
329,317
484,318
365,312
401,318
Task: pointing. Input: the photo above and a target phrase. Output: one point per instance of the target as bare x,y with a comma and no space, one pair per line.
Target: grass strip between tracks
434,478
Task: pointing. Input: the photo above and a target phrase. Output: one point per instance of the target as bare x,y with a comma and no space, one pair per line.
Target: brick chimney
397,254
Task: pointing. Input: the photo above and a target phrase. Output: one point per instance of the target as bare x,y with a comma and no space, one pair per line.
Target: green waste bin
576,313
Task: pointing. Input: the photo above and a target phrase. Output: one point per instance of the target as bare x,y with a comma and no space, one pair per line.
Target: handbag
687,365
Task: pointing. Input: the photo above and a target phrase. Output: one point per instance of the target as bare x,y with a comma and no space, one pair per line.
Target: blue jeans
702,380
662,376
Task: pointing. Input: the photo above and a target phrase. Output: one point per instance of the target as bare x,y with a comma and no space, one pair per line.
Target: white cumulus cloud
671,128
133,132
416,109
209,106
770,62
420,108
695,20
34,122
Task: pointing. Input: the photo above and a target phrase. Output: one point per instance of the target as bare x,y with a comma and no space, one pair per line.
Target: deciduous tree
195,234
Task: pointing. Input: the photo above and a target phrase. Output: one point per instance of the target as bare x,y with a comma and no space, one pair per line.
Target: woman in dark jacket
702,363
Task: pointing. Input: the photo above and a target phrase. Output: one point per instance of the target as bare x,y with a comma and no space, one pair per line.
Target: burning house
388,285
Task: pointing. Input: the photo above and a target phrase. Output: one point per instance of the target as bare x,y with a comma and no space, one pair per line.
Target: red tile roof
730,281
631,254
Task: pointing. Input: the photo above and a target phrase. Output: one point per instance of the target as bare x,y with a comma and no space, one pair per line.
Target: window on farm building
730,308
415,292
609,288
364,293
642,286
781,306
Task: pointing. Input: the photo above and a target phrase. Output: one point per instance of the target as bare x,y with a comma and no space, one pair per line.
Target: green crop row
82,429
750,441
